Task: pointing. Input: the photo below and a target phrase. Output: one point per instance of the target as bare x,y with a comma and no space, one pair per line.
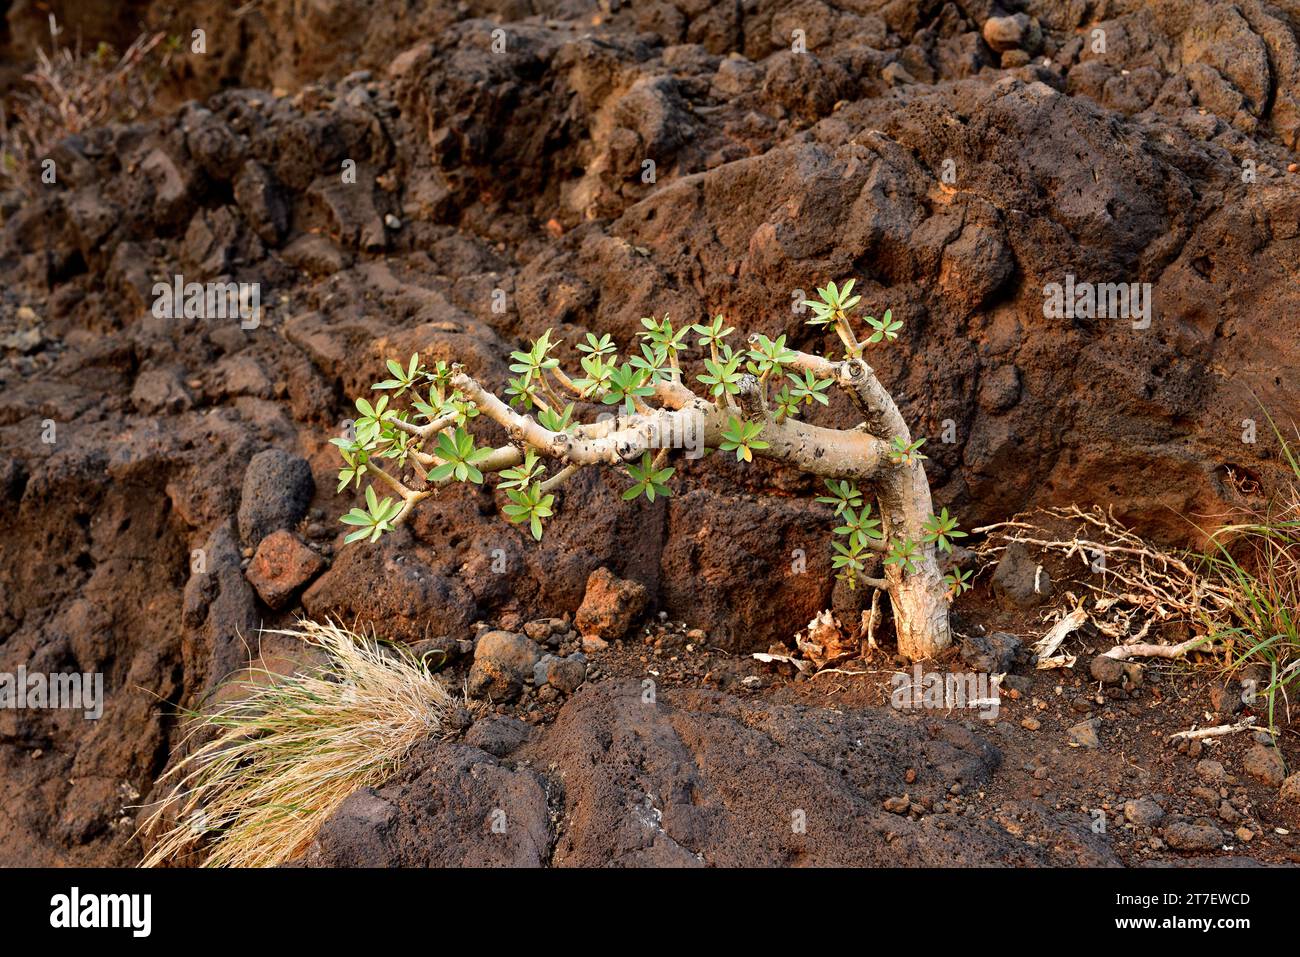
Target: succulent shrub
752,401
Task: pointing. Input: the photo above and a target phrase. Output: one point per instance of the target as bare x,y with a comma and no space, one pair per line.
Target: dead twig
1246,724
1057,634
1147,650
1161,582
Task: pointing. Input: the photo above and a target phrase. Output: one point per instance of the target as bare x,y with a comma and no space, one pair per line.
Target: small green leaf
598,347
529,505
859,527
843,495
712,333
850,560
904,554
524,474
661,336
556,421
374,520
722,377
809,389
832,304
742,437
769,357
906,453
459,457
885,328
626,385
941,529
649,480
958,581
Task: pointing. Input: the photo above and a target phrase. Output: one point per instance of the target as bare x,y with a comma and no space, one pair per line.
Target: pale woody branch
814,449
881,416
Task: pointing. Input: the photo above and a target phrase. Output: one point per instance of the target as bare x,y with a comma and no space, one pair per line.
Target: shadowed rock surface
694,779
957,181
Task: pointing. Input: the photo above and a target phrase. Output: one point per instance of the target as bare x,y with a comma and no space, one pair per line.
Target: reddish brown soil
1135,758
521,172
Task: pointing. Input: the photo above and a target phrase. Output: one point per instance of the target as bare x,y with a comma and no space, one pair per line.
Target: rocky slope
957,166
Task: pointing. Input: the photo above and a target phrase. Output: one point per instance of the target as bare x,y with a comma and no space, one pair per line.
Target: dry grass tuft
1258,561
70,91
286,754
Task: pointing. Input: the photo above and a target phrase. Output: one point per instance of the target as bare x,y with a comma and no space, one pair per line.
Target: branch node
854,371
751,399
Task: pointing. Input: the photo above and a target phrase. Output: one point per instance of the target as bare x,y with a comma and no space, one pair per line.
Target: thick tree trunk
920,605
919,598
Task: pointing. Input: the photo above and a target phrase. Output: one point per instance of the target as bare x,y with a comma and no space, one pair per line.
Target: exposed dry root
1132,571
1146,650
